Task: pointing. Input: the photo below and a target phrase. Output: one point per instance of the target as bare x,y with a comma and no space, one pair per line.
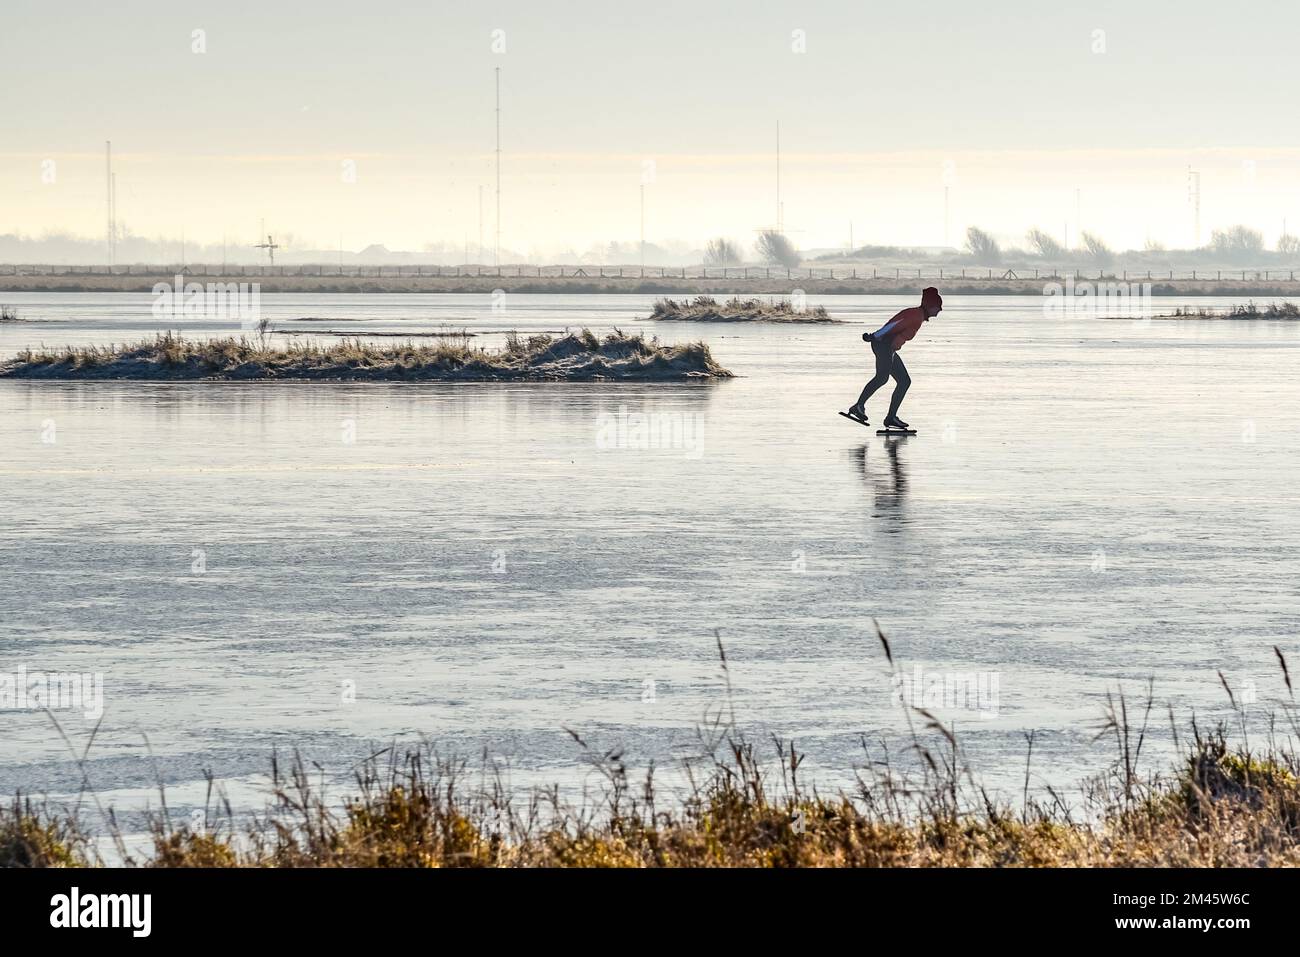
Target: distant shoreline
635,285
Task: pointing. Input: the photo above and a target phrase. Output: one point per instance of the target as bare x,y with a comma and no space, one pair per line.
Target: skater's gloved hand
868,337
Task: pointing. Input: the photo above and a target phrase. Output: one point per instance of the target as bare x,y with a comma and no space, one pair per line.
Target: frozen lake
1088,503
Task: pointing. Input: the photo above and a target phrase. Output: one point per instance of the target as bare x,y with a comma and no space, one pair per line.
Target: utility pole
1194,197
643,225
480,222
1078,212
498,243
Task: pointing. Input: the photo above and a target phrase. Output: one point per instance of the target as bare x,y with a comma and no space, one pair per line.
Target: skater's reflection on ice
888,486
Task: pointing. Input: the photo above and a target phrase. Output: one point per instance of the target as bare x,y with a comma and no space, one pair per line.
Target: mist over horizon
892,133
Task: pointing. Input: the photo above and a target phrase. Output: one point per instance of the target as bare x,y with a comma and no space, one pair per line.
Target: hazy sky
1015,104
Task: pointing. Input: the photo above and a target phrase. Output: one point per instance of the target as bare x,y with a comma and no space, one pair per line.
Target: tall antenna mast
643,225
498,243
780,209
1194,197
480,222
111,232
945,215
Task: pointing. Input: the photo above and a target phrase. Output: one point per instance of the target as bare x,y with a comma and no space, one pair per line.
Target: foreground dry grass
576,356
1225,807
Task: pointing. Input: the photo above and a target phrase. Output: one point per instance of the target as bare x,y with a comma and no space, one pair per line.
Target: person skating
885,343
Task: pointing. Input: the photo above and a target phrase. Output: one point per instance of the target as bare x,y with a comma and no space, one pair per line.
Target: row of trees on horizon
1237,245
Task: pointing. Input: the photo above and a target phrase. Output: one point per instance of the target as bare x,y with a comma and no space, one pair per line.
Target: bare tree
1045,245
1097,250
773,247
1237,242
983,247
1288,245
721,252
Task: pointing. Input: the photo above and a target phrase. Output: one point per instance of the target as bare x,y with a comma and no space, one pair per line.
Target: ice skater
885,343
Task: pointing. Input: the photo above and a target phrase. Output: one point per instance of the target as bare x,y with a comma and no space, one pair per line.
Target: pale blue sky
1012,93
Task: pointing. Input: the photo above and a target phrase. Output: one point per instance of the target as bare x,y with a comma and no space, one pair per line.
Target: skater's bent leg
870,389
899,372
884,362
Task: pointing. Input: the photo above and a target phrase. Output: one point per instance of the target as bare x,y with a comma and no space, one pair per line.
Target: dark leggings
887,363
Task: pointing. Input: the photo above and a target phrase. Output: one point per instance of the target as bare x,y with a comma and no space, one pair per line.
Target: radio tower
498,243
780,209
945,215
112,202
